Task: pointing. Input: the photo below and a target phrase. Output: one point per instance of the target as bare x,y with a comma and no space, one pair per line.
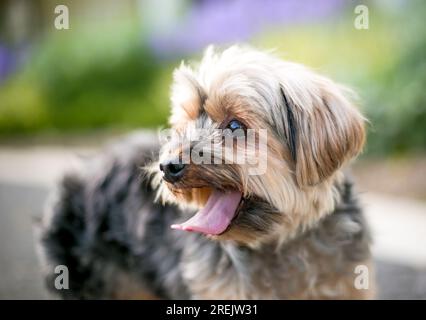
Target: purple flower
7,62
222,21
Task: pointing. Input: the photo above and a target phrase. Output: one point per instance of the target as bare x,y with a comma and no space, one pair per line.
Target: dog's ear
324,130
187,96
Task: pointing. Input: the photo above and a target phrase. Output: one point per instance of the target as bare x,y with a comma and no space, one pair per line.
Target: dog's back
103,225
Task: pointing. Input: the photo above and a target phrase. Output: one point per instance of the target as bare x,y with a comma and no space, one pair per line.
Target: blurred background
65,93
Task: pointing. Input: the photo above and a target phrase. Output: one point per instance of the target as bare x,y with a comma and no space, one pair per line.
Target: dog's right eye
235,125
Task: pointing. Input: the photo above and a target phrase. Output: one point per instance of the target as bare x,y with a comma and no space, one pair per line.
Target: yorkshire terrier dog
132,224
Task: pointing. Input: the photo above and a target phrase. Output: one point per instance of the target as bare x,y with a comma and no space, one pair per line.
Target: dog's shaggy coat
298,233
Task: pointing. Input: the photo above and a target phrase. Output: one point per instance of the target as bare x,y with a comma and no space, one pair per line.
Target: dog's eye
235,125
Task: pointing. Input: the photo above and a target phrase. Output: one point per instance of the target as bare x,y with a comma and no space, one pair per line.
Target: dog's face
300,125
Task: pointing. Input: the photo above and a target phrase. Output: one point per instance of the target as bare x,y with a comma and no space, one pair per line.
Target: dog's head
297,130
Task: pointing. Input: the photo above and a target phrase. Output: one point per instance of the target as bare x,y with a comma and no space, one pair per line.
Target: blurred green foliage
397,105
85,80
105,77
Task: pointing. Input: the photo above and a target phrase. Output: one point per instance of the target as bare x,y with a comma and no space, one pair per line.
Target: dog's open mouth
217,214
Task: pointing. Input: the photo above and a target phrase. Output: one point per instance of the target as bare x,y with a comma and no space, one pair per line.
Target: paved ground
20,276
26,174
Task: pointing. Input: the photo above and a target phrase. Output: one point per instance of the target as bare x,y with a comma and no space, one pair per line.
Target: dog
126,225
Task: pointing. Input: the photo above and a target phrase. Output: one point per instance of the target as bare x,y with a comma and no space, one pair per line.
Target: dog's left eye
235,125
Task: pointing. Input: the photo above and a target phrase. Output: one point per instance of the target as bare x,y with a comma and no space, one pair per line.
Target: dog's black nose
172,171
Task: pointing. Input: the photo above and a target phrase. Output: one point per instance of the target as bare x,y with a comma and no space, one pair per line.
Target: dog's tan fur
331,128
246,84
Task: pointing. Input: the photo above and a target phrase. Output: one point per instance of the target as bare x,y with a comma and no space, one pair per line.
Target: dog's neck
247,267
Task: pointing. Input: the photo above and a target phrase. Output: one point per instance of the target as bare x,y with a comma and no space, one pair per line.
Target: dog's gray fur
117,243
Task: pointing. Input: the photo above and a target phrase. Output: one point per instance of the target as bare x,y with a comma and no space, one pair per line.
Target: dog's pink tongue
216,216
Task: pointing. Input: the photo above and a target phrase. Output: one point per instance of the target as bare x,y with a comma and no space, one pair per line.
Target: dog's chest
214,271
230,272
